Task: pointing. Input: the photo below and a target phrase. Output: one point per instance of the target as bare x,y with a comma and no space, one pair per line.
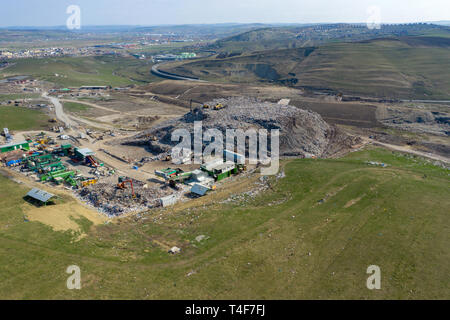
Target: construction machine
42,140
205,106
92,161
123,181
89,182
218,106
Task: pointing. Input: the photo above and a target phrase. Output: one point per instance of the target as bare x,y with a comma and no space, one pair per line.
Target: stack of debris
302,132
114,201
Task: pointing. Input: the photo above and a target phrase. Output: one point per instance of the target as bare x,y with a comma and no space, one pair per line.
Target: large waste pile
114,201
303,133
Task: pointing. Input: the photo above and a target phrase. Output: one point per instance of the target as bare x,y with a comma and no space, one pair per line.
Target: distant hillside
312,35
402,67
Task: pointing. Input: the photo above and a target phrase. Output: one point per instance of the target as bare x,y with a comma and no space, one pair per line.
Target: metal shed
83,153
40,195
199,189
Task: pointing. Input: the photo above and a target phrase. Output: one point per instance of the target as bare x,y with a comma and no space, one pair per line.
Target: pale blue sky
154,12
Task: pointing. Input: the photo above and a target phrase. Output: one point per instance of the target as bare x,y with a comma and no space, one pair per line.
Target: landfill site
117,171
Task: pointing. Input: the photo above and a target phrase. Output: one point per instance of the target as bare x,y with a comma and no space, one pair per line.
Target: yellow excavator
218,106
89,182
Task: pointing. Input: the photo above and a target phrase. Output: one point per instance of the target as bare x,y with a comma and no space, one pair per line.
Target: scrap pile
303,133
114,201
11,158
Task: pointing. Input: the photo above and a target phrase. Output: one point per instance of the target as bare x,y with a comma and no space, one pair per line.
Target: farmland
312,236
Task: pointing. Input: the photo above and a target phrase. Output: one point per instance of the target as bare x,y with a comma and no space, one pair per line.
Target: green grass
18,96
20,118
75,107
78,71
293,249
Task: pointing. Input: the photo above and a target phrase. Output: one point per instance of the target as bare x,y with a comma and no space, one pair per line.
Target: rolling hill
285,37
416,67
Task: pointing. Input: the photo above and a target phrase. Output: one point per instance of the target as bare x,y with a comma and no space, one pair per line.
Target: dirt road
411,151
59,110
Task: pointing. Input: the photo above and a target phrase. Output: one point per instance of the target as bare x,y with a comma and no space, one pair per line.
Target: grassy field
75,107
19,118
78,71
285,244
408,67
18,96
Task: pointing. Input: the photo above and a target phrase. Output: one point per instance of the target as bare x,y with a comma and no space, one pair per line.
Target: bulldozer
206,106
52,120
218,106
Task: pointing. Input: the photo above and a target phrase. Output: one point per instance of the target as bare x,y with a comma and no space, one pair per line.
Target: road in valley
172,76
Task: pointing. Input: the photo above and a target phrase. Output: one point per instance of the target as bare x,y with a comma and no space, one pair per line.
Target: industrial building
94,88
219,170
86,155
82,154
24,145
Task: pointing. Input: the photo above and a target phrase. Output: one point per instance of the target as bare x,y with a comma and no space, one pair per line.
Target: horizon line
217,24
